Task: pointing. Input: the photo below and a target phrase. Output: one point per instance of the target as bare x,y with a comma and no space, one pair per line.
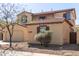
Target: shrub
43,37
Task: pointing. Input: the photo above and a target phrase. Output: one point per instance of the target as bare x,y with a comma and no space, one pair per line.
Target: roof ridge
46,11
54,11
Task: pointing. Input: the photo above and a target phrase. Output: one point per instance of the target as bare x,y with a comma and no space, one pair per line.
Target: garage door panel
18,35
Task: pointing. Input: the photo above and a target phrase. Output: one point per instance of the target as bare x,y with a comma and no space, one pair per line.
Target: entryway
73,37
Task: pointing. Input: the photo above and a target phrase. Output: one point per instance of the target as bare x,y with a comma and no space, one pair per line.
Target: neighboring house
60,23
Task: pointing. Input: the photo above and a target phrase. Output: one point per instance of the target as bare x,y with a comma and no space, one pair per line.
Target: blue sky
37,7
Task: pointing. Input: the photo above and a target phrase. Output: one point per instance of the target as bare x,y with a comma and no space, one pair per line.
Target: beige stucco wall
57,33
60,15
77,37
1,35
66,33
48,16
77,31
30,31
29,16
56,29
60,33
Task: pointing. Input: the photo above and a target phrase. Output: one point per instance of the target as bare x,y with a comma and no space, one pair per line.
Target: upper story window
42,17
67,16
24,19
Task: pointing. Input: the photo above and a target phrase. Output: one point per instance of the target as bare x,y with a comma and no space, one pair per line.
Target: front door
73,37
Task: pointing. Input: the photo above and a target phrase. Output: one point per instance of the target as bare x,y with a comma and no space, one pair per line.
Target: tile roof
57,11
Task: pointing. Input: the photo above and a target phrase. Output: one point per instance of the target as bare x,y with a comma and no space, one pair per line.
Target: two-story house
60,23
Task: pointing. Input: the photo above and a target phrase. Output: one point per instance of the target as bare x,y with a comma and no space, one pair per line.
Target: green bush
43,37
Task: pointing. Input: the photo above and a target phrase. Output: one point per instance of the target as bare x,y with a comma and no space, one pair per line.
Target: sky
37,7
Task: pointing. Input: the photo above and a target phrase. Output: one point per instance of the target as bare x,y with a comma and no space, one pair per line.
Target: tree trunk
10,35
41,44
10,40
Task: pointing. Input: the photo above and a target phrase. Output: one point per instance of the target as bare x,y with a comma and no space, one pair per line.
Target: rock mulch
21,53
23,50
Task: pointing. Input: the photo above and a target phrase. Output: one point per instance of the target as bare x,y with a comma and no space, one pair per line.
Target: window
42,28
42,17
67,16
24,19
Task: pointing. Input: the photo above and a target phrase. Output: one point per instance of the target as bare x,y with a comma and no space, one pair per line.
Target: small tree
7,13
43,37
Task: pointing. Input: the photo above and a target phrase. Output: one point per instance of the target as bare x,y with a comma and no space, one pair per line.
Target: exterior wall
60,15
32,30
57,33
60,33
66,32
56,29
77,37
55,17
1,35
77,31
48,17
29,16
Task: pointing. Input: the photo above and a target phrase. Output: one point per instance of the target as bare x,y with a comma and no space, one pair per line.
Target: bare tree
7,13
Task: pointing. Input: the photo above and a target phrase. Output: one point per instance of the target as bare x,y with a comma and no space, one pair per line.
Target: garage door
1,36
17,36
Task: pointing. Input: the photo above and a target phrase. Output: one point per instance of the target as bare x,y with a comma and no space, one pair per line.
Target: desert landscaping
22,49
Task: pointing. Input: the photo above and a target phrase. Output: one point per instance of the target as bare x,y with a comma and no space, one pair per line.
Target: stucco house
59,22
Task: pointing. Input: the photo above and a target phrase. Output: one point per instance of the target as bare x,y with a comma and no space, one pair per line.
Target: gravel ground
21,53
38,52
18,46
22,49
